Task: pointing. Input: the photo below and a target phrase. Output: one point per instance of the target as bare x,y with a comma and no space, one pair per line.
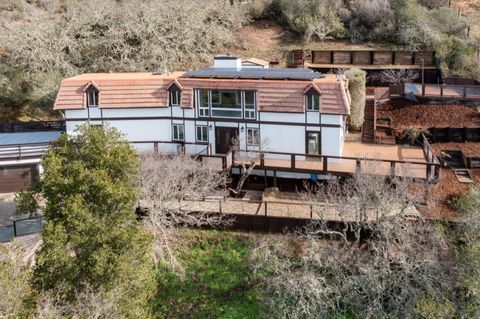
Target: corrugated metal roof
251,73
30,137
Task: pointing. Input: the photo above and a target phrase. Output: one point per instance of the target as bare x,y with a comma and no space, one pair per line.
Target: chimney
227,61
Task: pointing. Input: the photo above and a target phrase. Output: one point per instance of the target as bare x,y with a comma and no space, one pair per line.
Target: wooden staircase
368,128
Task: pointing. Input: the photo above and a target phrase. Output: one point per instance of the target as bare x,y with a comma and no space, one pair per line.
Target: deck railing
339,165
23,151
471,92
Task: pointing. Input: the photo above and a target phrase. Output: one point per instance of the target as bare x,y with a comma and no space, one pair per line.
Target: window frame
201,127
310,98
178,95
176,131
95,95
250,134
246,111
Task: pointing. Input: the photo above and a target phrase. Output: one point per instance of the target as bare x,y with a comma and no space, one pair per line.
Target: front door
313,143
224,139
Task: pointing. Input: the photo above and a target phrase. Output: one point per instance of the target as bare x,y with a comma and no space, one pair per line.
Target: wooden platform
402,161
367,66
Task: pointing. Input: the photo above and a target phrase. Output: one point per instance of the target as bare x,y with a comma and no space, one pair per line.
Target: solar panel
254,73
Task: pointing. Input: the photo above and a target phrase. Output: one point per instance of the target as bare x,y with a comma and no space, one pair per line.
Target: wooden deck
402,161
439,91
294,208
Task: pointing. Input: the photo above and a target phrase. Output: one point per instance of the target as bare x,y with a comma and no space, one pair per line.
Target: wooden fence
364,58
453,134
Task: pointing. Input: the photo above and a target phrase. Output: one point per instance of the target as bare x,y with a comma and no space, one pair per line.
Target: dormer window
174,97
174,94
312,98
92,98
312,102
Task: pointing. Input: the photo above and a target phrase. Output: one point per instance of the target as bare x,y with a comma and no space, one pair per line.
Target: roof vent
227,62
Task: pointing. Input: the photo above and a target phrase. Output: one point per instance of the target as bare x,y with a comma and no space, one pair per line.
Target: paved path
7,209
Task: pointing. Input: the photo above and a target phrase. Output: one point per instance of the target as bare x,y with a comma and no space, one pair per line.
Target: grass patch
217,283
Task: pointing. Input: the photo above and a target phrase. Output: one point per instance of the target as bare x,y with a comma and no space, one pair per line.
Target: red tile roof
135,90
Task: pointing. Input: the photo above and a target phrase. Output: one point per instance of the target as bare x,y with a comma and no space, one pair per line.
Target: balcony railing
23,151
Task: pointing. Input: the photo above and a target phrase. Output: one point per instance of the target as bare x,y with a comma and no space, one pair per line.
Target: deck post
358,165
464,92
266,208
19,152
311,211
155,147
292,161
325,164
220,205
262,159
274,178
423,89
265,177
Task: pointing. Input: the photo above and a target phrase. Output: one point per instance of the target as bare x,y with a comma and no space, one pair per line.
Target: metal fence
21,227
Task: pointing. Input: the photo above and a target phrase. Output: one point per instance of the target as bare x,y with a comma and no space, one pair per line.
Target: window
313,102
202,101
175,97
202,134
249,104
313,143
226,103
178,132
253,136
92,98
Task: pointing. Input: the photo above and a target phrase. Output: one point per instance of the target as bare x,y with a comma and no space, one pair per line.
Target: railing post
441,90
155,147
325,164
423,89
262,159
358,166
19,151
220,205
266,208
292,161
392,168
464,92
311,211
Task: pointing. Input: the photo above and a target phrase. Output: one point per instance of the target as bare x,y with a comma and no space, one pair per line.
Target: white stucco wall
278,137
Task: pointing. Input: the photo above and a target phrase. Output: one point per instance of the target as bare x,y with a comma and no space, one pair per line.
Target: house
283,110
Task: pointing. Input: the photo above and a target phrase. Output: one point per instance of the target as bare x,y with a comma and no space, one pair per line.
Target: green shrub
356,86
91,239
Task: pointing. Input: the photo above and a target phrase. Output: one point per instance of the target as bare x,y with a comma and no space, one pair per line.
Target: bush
356,86
312,17
371,20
